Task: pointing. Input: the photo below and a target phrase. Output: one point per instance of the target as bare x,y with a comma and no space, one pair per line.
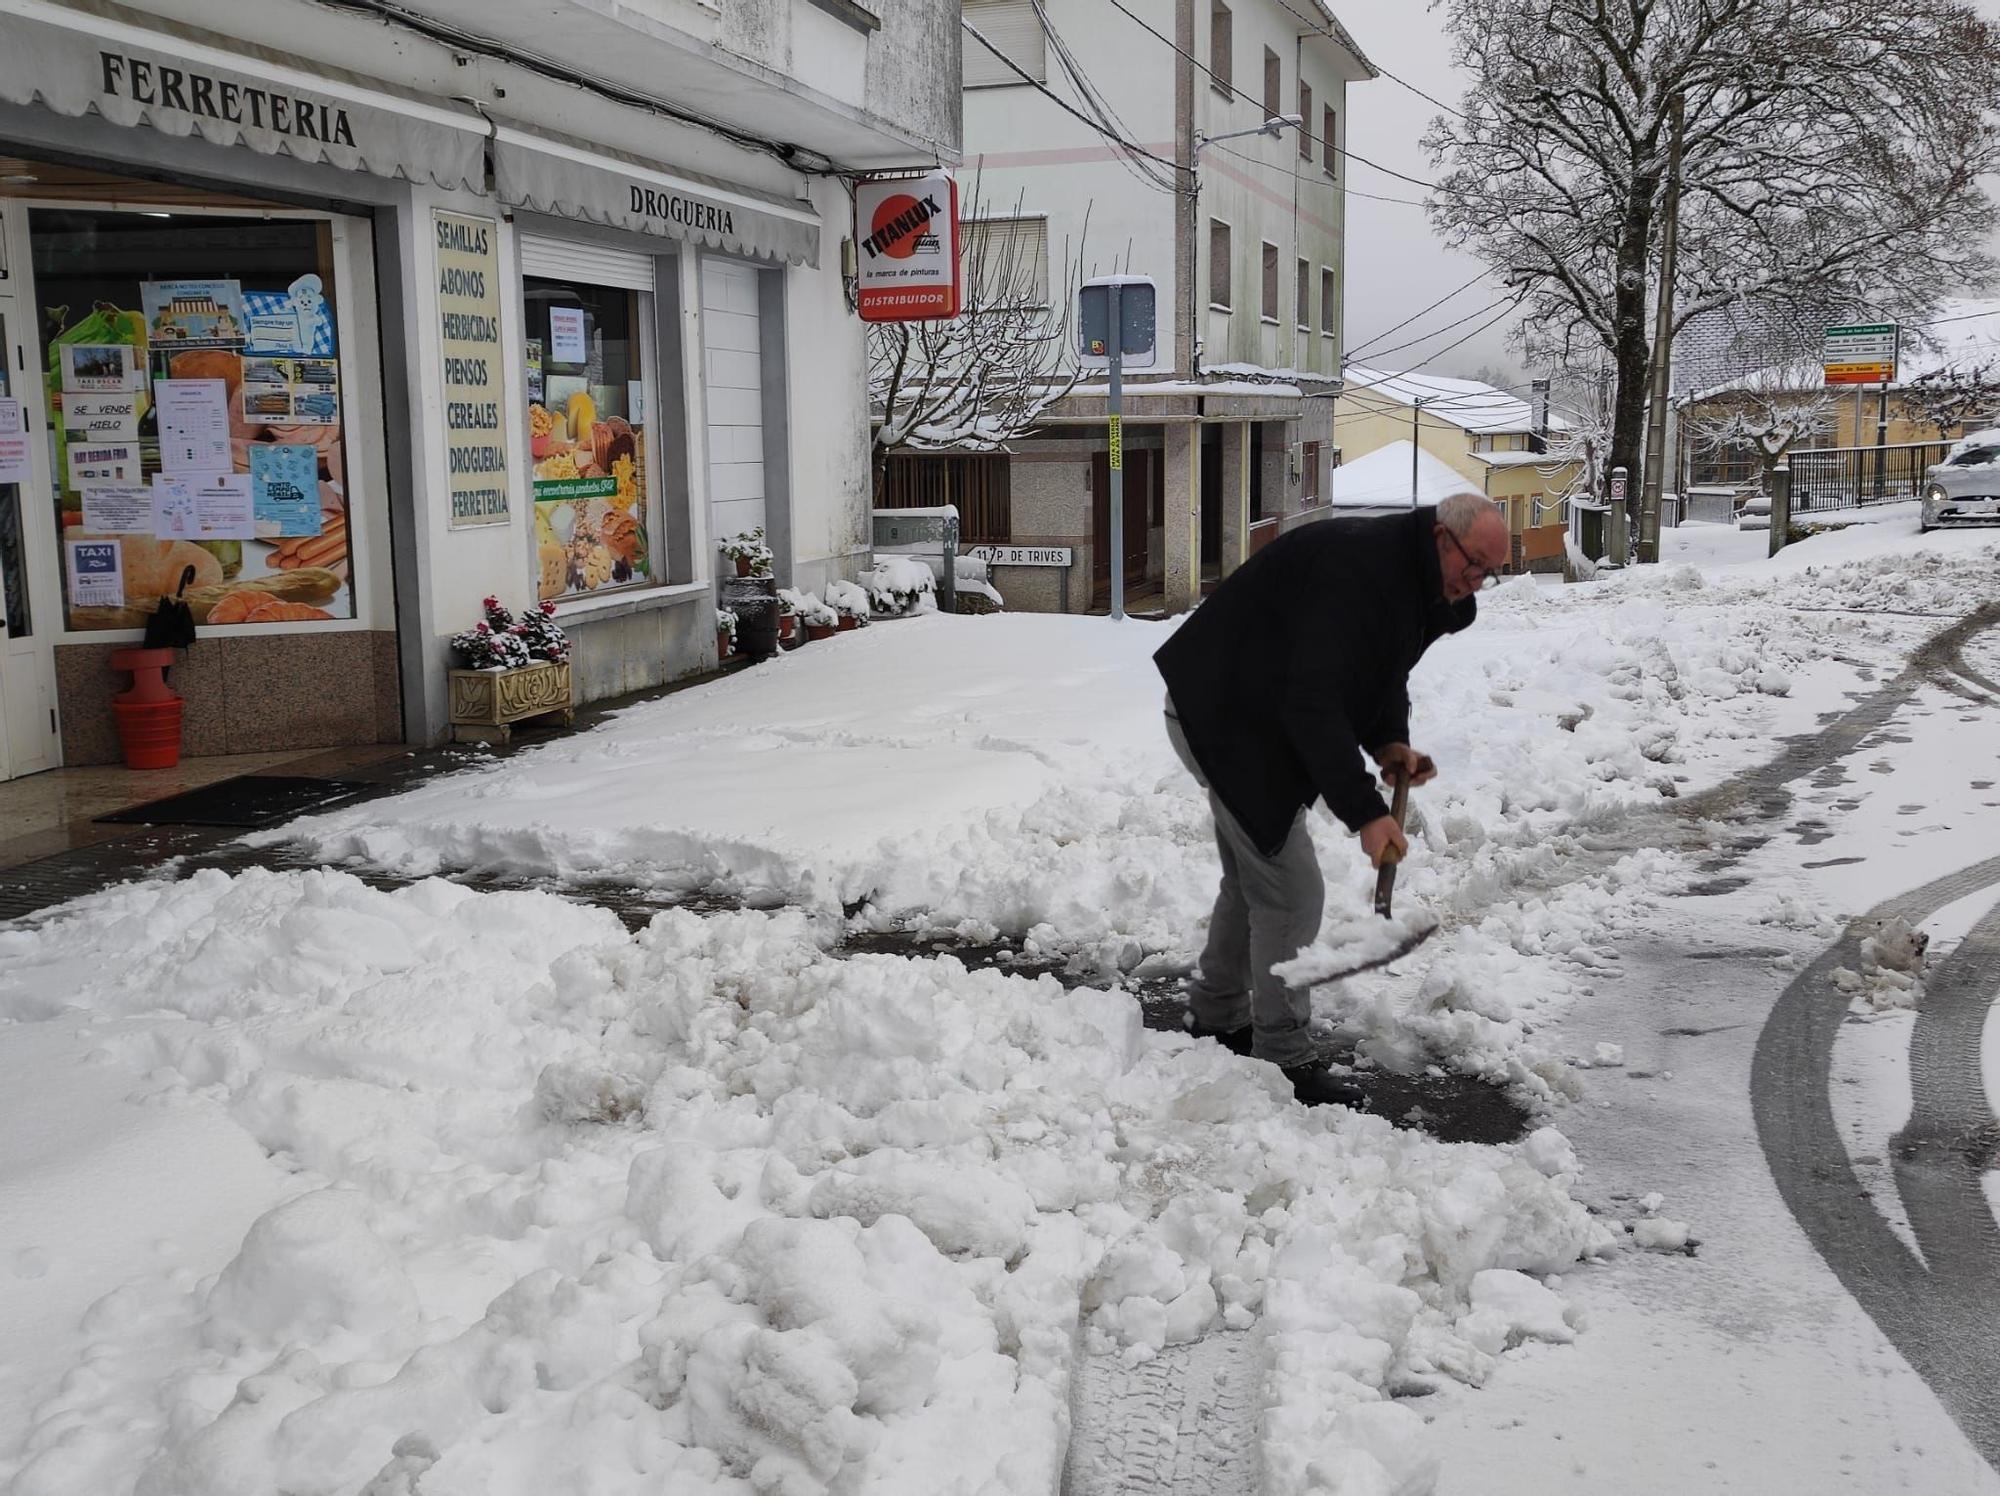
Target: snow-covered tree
990,375
1770,412
1949,397
1831,156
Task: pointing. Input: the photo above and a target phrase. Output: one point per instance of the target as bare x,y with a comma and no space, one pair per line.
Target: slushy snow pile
530,1203
708,1210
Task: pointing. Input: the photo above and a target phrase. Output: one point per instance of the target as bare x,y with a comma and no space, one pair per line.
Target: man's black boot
1315,1085
1236,1040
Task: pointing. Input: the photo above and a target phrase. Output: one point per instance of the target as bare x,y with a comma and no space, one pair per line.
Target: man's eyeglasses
1487,576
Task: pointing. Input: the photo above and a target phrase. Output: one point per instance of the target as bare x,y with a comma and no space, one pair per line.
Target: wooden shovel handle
1399,806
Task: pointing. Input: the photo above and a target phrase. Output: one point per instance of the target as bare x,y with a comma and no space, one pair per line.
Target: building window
1012,26
1273,85
1309,475
1329,303
977,484
234,320
1005,261
1269,306
1305,121
1221,46
1304,296
1219,265
587,386
1329,125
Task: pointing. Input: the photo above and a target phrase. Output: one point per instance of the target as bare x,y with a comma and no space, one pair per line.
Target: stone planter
485,704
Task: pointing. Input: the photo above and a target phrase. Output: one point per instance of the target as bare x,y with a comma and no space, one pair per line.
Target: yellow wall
1364,423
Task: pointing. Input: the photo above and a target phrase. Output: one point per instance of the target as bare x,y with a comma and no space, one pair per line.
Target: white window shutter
1011,25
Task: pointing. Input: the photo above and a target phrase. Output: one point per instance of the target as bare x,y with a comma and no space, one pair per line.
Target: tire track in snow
1182,1424
1945,1320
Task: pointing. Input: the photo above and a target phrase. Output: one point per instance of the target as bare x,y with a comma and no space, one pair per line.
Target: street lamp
1273,126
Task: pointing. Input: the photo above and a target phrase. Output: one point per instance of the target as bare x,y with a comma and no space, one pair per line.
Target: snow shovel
1379,944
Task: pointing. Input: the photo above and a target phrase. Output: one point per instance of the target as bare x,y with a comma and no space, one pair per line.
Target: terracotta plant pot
821,630
788,629
724,647
743,566
848,623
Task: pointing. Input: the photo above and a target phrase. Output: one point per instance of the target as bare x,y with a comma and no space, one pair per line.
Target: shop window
198,415
589,424
1013,27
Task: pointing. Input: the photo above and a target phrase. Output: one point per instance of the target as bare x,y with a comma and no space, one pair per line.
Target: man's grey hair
1460,512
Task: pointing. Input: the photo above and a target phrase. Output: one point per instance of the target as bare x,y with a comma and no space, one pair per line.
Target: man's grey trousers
1266,908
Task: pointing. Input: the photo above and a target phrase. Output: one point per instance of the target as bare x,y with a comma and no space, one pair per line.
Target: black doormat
248,800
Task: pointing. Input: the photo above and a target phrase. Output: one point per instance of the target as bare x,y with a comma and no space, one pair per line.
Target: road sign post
1114,324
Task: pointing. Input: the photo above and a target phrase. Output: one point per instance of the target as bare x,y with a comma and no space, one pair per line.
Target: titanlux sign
907,230
208,97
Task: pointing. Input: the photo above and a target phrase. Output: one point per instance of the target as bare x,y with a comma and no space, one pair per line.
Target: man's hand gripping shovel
1380,943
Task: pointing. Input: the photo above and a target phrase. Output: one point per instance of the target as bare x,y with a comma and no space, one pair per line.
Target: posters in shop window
96,574
16,461
468,287
193,314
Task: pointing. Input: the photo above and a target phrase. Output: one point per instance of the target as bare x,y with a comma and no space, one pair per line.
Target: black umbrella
172,623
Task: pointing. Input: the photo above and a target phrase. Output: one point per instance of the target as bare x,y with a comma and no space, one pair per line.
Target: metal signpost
1115,325
1862,355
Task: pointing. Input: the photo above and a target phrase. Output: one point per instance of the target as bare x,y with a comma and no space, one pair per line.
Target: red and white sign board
907,232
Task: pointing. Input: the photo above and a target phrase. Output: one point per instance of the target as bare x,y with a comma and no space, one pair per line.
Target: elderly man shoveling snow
1276,685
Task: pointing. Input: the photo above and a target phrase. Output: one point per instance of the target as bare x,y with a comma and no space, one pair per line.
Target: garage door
733,375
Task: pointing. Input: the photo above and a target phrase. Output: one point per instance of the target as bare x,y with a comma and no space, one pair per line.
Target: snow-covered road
418,1193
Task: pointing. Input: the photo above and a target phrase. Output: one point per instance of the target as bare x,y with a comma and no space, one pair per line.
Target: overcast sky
1395,266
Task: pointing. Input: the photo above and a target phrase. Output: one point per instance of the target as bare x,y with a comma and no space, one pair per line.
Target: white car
1964,489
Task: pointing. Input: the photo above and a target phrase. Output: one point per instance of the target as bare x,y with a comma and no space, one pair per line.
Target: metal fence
1834,477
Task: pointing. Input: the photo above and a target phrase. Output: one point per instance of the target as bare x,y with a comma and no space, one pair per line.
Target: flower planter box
485,704
821,630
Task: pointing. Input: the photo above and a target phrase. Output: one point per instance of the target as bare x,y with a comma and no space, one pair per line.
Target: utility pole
1416,443
1117,455
1663,346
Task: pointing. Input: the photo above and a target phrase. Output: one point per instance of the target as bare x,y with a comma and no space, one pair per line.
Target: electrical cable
1361,348
1235,92
1512,301
1061,103
1099,106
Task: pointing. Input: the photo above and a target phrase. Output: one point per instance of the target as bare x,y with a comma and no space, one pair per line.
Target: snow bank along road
328,1190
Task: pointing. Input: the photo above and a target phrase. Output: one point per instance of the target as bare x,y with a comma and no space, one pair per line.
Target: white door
30,611
733,377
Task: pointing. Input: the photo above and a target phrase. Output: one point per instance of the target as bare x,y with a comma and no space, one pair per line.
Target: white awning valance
546,174
98,57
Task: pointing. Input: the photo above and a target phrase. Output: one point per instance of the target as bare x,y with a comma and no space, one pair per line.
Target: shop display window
197,415
586,386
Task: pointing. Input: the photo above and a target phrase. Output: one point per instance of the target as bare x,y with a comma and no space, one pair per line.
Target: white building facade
426,303
1228,439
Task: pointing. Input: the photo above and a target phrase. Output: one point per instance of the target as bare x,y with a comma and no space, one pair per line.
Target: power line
1159,180
1392,378
1233,91
1387,331
1507,301
1062,103
1429,98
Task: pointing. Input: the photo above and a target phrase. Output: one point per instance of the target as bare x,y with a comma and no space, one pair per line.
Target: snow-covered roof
1464,403
1381,480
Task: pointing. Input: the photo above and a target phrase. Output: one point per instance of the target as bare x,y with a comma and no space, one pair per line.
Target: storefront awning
549,175
97,57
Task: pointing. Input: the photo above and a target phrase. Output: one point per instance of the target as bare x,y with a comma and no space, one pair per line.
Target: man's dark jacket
1301,659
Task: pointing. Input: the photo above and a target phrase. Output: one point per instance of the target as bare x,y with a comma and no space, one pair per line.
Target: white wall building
531,301
1229,439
